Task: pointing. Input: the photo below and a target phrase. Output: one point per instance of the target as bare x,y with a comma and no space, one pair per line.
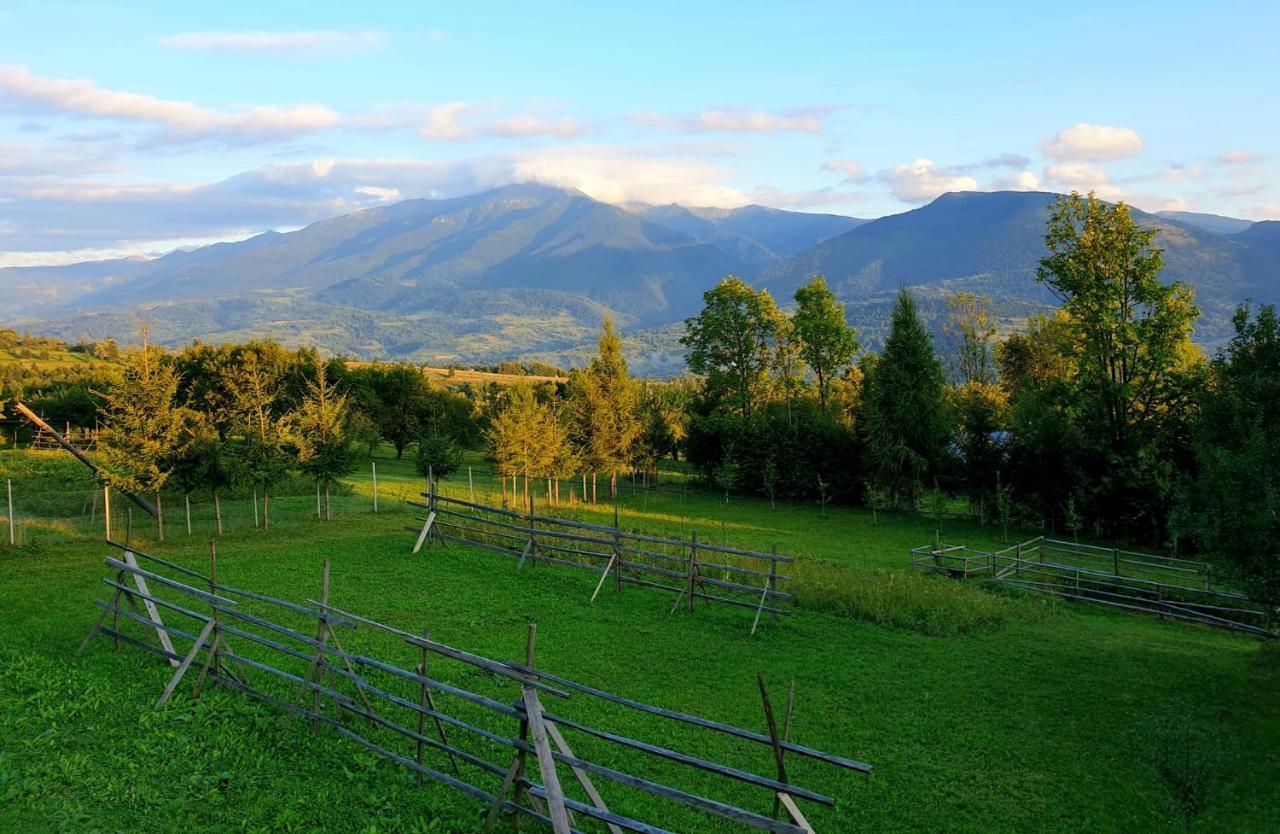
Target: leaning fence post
13,538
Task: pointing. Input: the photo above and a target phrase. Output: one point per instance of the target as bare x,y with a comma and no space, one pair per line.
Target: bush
907,601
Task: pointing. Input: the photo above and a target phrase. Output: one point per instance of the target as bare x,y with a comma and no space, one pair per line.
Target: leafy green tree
143,428
826,343
1129,338
906,421
406,403
732,343
982,416
1231,507
604,410
319,432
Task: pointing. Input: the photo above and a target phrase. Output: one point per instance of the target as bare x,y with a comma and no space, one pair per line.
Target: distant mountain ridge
531,270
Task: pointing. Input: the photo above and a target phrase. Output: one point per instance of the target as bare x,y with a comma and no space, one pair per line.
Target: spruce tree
319,430
906,417
143,433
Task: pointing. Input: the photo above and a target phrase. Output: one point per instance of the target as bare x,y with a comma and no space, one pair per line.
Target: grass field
981,711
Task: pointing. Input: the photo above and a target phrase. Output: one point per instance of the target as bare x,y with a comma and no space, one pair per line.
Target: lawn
1031,717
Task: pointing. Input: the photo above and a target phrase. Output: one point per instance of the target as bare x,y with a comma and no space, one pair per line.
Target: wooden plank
580,774
546,762
141,583
603,576
794,812
426,529
186,662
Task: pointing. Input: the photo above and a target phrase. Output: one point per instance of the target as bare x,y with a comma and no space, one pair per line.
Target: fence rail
1180,589
290,655
738,577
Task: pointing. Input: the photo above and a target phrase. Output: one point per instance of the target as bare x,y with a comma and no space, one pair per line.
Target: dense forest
1101,419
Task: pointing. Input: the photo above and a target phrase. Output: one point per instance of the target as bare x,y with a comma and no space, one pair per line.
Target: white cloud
459,121
1021,181
1076,175
1267,211
315,42
623,175
1098,143
923,180
852,170
85,98
1238,157
1175,204
739,120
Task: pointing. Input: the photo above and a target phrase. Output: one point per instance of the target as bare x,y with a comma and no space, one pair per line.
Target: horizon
148,128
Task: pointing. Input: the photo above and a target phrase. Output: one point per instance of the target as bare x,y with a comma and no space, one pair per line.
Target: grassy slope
1041,724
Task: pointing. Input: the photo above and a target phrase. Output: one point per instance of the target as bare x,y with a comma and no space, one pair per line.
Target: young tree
604,405
143,428
439,454
261,458
906,420
827,344
319,431
971,330
525,436
732,343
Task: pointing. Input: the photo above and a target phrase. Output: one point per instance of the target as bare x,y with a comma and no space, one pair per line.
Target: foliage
732,343
143,428
826,343
1133,362
439,455
319,431
1230,506
970,329
526,436
604,420
906,420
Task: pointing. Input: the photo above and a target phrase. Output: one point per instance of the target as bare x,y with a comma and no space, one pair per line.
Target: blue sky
133,127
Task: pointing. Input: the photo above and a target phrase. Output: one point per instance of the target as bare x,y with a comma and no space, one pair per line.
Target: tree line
1102,418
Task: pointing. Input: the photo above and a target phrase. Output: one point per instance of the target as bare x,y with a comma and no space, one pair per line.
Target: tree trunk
186,499
613,485
217,511
328,509
593,488
266,507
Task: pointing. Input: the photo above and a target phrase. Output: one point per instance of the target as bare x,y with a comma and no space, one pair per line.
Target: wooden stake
159,518
374,465
186,663
581,775
153,613
106,508
255,508
546,762
471,486
13,536
604,576
427,701
186,498
217,511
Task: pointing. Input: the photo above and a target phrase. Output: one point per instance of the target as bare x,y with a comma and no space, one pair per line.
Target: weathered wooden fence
1180,589
689,569
291,656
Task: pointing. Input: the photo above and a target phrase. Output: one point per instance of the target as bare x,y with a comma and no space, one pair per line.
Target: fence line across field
1180,589
372,701
746,578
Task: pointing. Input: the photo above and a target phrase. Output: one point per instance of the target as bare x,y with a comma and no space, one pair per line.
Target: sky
132,128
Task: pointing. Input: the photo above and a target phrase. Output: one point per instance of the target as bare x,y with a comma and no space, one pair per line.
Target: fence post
431,503
617,548
471,486
255,508
13,536
773,586
1116,553
374,464
106,508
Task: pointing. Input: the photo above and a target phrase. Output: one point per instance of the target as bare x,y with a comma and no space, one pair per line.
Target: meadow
980,710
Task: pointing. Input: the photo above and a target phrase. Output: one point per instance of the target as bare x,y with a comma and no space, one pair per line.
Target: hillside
529,272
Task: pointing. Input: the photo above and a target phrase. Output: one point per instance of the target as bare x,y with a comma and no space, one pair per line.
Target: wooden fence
291,656
689,569
1179,589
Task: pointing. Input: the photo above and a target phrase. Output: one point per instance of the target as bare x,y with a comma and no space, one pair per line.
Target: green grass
1026,717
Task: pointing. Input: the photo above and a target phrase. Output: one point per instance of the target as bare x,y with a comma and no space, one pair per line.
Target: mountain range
530,270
